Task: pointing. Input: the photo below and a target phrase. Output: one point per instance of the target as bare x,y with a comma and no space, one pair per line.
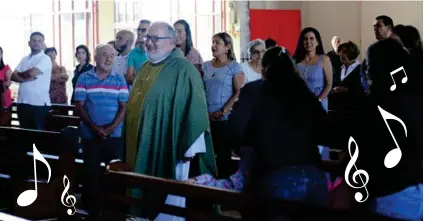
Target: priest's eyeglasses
154,38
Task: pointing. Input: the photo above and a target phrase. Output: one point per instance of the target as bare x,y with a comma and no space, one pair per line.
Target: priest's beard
122,48
156,57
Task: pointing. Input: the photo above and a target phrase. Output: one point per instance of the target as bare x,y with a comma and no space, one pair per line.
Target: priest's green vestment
166,114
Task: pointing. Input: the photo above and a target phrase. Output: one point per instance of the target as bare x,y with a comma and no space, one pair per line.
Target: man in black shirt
383,26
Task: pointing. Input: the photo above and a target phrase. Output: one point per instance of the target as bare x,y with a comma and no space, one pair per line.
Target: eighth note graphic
70,200
358,196
392,157
28,197
404,79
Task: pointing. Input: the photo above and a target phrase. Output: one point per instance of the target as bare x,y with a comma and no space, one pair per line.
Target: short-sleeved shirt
249,73
219,84
101,99
36,92
120,65
194,56
137,58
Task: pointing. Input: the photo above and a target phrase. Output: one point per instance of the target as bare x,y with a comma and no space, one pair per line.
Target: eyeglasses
258,52
154,38
142,29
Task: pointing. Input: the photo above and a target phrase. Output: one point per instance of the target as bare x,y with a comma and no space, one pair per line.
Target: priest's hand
191,181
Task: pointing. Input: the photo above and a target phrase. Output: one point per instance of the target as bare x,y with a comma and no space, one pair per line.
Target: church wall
106,21
352,20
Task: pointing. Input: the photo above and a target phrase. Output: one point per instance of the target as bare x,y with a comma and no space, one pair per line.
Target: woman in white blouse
252,68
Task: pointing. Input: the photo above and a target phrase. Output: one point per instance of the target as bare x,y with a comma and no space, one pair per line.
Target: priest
167,125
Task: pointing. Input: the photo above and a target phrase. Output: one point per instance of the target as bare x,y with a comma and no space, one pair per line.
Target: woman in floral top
58,82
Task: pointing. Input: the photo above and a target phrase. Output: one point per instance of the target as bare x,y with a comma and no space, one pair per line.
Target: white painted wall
353,20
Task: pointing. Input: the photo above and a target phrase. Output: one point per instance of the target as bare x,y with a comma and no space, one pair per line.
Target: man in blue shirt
101,97
138,55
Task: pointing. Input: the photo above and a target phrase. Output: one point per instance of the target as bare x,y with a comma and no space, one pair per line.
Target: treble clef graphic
69,200
358,196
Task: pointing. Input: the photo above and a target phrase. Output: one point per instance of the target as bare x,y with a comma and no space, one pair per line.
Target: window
65,5
205,17
65,46
80,31
80,5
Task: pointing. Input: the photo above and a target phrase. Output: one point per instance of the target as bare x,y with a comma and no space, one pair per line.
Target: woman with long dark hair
83,57
184,41
223,77
280,123
5,94
315,68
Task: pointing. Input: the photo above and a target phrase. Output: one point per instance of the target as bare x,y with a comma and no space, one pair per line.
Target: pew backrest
227,198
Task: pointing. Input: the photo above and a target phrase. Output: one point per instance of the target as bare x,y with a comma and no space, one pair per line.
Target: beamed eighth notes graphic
392,158
28,197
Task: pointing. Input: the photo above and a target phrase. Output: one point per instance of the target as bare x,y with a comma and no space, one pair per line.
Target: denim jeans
406,204
297,183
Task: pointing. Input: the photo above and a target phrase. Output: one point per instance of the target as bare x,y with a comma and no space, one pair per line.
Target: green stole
142,84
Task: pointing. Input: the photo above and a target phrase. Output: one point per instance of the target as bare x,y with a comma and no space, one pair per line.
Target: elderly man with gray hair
252,68
101,98
335,59
167,121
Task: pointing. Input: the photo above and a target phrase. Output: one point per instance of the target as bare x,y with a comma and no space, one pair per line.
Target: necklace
305,76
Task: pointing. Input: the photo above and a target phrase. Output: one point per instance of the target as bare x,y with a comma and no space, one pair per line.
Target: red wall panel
284,26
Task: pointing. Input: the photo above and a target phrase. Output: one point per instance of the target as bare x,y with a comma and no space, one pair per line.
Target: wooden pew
57,122
227,198
8,217
17,168
58,113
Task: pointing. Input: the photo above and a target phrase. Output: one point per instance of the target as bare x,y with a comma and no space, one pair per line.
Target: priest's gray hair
168,28
252,45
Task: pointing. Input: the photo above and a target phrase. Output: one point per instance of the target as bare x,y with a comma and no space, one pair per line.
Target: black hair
409,36
1,60
351,49
35,34
387,21
227,41
189,39
85,48
280,69
269,43
300,52
48,50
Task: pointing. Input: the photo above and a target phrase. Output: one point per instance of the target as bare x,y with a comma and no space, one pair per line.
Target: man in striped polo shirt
101,97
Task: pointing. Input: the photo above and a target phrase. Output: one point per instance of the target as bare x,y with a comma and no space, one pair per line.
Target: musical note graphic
28,197
358,196
392,157
404,79
69,200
